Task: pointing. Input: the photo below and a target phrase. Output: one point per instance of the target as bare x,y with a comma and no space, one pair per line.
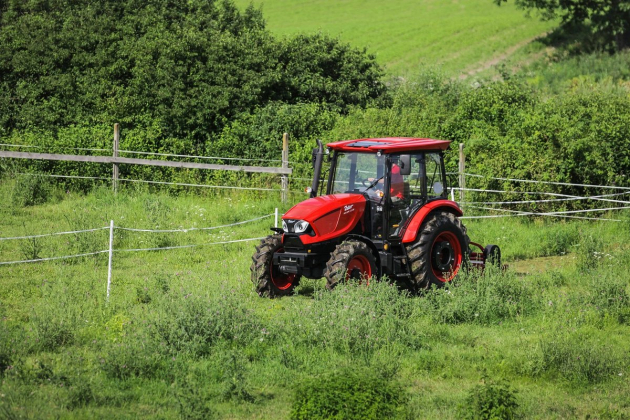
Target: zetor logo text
348,209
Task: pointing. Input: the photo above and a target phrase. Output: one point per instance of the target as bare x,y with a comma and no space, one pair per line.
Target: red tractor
385,213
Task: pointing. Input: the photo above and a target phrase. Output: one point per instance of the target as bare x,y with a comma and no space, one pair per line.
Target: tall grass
184,334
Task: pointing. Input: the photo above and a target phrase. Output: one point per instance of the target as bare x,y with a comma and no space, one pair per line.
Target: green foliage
348,394
609,19
589,252
575,358
191,324
183,335
356,320
30,190
193,399
487,298
490,401
511,131
187,68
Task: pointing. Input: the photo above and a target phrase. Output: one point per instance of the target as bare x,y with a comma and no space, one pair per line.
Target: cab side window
435,177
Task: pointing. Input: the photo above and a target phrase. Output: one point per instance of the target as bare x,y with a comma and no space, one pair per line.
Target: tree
189,67
609,19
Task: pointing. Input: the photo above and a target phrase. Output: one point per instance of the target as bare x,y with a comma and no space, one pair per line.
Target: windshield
357,172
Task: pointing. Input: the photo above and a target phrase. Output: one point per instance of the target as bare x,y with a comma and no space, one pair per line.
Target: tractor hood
329,215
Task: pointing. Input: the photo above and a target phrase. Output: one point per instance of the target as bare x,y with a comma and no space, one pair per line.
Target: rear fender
415,224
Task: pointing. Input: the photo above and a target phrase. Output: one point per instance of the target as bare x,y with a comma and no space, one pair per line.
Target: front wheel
350,260
439,252
267,278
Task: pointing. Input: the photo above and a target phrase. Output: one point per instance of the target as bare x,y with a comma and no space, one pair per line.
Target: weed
490,401
191,324
86,242
348,394
31,190
193,400
574,358
589,252
356,320
608,294
30,248
137,356
234,384
484,299
80,394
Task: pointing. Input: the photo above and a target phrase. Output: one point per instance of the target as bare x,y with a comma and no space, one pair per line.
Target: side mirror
405,164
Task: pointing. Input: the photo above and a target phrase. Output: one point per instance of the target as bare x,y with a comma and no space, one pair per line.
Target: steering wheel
366,182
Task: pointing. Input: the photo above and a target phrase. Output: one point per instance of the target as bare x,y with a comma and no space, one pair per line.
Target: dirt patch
540,265
485,65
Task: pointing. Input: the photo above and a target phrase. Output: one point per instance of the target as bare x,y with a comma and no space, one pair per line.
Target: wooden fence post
285,165
116,144
462,170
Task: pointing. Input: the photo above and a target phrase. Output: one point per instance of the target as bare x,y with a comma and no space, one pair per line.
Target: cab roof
389,145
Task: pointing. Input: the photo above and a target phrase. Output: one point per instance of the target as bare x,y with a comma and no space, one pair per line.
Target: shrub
193,399
490,401
193,324
575,358
30,190
134,356
481,298
348,394
234,384
356,320
609,294
589,252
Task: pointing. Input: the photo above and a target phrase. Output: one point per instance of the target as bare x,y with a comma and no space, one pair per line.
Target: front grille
292,243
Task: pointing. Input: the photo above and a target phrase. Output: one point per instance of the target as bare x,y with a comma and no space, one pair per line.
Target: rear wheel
351,260
267,278
440,250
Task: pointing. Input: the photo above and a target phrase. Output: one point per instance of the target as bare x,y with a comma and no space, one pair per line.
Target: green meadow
184,335
405,36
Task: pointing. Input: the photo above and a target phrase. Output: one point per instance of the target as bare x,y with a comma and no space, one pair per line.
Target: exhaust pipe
318,157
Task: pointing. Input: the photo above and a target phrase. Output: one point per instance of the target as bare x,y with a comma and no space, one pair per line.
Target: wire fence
496,210
113,250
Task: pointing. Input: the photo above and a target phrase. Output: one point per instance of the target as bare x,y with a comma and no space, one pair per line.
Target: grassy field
185,336
460,37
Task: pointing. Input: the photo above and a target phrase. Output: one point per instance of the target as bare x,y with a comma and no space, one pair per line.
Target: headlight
284,226
300,226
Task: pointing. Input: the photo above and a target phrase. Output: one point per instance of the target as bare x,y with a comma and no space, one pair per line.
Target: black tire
266,277
492,255
350,260
440,250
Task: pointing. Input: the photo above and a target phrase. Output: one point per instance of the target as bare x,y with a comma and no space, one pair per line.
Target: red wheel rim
359,268
282,281
446,256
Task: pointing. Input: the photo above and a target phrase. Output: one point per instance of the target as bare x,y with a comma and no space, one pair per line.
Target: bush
30,190
490,401
589,252
193,324
575,358
355,320
348,394
485,298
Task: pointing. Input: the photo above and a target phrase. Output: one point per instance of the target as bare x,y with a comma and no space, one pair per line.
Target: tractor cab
385,212
394,185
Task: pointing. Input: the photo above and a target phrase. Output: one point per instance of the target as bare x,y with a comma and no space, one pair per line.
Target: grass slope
459,36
